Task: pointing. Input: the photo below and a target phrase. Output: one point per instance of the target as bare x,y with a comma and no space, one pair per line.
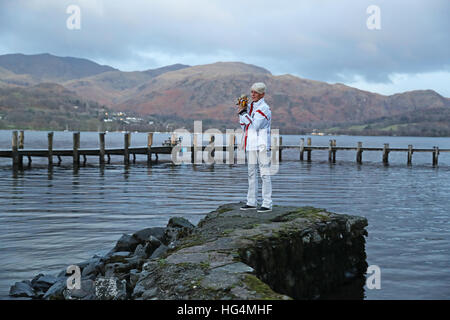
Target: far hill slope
47,67
208,92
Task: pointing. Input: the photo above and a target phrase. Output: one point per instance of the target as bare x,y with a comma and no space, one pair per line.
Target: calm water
50,218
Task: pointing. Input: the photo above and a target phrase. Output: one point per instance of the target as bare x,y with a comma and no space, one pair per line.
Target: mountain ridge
208,92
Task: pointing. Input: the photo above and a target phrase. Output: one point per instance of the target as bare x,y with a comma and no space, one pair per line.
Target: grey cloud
324,40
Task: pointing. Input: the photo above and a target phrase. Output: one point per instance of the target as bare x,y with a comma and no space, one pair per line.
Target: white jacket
256,126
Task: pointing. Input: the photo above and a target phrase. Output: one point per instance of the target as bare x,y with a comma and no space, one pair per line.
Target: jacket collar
258,103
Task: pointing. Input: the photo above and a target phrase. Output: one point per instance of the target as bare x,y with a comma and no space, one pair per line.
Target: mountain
47,106
208,92
179,94
111,87
156,72
49,68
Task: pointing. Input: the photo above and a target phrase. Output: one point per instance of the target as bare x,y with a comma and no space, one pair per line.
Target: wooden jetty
17,152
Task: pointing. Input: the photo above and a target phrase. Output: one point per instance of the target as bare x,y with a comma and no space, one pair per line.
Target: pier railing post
386,153
435,155
330,151
410,152
50,147
359,152
21,139
149,146
308,152
194,149
126,145
21,144
101,136
76,146
14,146
212,140
334,151
302,148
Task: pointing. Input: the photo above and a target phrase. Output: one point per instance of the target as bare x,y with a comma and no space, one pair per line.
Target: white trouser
256,159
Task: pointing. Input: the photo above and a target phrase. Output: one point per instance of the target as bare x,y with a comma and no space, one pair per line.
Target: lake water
50,218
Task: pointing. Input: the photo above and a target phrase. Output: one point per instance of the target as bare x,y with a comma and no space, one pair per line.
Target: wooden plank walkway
17,153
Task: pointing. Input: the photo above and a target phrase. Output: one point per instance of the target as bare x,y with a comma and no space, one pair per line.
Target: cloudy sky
326,40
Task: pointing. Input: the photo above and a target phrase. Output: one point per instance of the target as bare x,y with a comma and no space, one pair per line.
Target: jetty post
330,151
50,148
308,152
334,151
126,145
435,155
14,147
302,148
76,146
21,139
194,149
101,136
149,146
410,152
386,153
359,152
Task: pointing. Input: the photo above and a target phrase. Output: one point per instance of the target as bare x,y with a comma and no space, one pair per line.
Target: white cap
259,87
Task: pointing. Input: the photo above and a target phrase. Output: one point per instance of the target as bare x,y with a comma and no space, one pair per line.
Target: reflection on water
54,216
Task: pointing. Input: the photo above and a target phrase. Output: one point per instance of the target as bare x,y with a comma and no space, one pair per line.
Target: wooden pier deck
17,151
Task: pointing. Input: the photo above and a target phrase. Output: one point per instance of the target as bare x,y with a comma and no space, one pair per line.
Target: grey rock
56,291
144,234
177,228
22,289
150,293
134,277
161,250
140,251
179,222
92,269
151,245
41,283
86,292
126,243
119,256
135,261
237,267
115,269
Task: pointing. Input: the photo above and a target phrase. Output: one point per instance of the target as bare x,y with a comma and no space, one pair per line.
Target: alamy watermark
74,280
73,22
374,20
263,147
373,281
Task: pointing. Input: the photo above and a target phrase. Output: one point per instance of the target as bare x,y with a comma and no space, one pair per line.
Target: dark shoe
264,209
246,207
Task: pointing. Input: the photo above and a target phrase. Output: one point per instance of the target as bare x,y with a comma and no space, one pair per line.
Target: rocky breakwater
289,253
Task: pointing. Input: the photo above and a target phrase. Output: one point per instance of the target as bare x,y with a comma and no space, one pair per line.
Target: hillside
49,68
177,95
47,106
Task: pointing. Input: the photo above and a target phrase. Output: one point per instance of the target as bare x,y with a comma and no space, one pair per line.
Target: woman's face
256,96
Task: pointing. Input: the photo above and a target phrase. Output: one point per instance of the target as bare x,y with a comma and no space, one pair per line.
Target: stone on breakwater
291,252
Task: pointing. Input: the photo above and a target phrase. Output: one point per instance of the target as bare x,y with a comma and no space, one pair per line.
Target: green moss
205,265
222,210
306,212
162,262
255,284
